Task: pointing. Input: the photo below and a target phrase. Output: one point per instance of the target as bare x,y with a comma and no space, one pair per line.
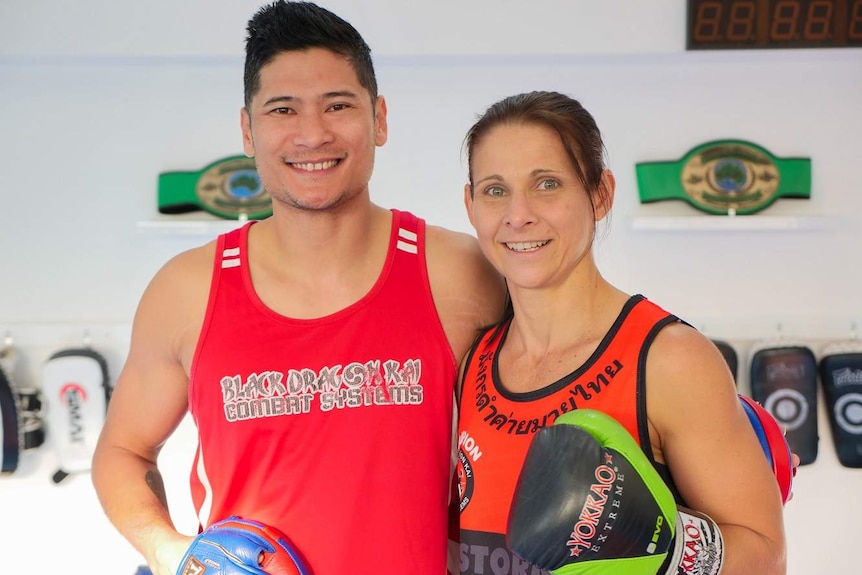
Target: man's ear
247,139
603,200
381,127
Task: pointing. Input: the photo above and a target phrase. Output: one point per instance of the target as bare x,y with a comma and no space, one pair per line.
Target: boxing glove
236,546
773,443
588,501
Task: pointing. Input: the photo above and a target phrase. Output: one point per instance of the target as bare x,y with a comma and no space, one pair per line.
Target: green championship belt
725,177
229,188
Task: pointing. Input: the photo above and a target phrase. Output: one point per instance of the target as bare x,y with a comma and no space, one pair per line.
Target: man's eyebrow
280,99
340,94
326,96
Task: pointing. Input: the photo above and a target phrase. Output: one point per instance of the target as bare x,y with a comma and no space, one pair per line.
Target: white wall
98,96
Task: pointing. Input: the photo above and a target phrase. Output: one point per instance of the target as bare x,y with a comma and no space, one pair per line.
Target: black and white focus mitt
21,422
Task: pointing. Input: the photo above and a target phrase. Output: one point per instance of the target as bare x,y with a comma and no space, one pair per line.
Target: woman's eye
549,184
494,191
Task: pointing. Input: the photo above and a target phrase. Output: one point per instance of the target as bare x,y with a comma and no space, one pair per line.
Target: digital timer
752,24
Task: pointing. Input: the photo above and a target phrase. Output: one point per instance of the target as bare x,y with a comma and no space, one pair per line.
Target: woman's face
534,220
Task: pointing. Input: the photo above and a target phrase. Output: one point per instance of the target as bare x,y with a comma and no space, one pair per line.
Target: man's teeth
308,167
525,246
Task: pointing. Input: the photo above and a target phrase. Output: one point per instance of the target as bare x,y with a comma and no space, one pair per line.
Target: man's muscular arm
467,290
148,403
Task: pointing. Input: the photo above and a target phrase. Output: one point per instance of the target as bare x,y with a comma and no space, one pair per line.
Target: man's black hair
295,26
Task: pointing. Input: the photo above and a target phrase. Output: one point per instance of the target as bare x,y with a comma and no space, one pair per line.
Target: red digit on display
741,25
854,30
706,22
818,22
785,20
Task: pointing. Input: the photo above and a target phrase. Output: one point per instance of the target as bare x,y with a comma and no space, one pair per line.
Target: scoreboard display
773,24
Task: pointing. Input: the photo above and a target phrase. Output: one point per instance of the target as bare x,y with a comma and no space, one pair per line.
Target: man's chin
322,205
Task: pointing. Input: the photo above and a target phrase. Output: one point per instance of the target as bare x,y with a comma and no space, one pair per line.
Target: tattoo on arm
157,486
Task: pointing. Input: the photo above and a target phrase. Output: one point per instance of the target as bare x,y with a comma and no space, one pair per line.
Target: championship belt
841,376
229,188
784,381
725,177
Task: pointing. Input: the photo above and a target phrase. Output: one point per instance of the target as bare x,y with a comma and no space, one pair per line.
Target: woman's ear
468,201
603,199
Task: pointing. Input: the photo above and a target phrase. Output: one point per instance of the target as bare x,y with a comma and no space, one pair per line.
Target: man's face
313,130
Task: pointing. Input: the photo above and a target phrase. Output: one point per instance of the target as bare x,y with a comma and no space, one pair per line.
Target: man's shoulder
190,263
456,257
184,277
172,307
455,262
451,245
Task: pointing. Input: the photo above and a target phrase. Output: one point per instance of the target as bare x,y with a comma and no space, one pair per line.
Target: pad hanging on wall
75,385
841,376
9,425
725,177
784,381
729,354
228,188
21,424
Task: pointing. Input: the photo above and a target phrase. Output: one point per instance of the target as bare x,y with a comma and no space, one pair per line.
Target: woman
571,340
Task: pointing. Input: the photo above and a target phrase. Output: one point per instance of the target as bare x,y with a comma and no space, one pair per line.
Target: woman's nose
520,210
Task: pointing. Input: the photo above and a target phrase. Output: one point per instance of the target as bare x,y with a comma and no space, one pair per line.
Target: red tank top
336,430
495,426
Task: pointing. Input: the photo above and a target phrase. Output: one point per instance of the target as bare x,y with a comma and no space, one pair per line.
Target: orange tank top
496,426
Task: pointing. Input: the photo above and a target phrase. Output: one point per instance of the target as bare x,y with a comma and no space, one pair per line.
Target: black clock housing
774,24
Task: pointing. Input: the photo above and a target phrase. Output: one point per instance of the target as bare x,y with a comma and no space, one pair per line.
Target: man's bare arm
148,403
468,291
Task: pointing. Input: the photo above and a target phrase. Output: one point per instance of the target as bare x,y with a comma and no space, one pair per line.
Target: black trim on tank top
664,473
567,379
641,407
468,360
640,391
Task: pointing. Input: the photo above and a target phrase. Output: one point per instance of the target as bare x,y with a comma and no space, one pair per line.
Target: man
316,350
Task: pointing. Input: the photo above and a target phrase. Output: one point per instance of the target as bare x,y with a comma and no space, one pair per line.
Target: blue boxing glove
236,546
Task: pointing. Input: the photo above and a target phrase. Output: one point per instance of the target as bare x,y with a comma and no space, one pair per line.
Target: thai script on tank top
486,403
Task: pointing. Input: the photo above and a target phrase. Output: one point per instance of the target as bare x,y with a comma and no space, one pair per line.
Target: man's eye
549,184
338,107
282,111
